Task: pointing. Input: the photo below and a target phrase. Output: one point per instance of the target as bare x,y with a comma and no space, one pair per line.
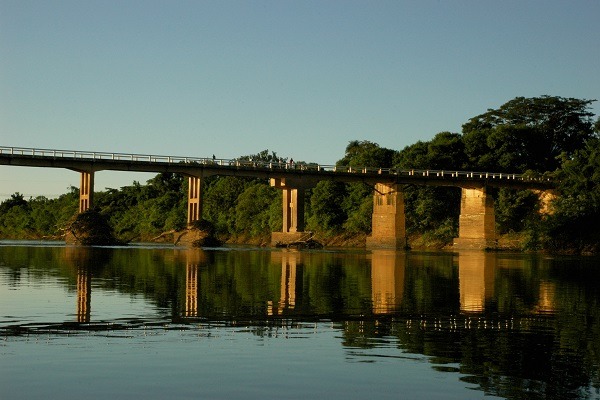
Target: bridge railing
248,163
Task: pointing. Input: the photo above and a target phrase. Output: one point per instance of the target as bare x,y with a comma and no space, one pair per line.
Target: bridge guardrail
247,163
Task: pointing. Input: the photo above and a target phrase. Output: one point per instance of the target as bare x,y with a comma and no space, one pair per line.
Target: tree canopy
528,134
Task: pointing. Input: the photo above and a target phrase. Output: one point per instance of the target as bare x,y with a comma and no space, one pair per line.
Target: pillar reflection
291,264
82,259
387,280
546,299
84,294
287,296
194,258
476,274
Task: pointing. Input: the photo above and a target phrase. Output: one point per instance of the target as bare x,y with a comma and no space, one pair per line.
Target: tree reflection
516,326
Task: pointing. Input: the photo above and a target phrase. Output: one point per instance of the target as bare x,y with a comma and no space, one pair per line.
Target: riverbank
516,242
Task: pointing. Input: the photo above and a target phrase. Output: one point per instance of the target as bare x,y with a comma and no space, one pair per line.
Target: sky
301,78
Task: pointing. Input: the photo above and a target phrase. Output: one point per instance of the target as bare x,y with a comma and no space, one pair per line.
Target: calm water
154,323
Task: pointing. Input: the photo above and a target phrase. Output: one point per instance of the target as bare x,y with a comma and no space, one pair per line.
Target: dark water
154,323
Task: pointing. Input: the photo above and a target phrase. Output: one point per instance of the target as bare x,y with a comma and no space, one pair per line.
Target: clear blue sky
302,78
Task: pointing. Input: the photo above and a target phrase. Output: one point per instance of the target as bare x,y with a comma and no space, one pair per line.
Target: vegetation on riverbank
547,135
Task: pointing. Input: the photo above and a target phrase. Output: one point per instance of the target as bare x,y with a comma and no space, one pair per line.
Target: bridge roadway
89,161
476,220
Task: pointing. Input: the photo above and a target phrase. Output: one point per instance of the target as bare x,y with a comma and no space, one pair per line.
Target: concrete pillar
86,191
293,210
477,223
388,224
194,199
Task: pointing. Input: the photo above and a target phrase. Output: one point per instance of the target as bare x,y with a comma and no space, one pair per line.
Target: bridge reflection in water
84,294
193,261
476,273
81,259
477,278
501,321
387,280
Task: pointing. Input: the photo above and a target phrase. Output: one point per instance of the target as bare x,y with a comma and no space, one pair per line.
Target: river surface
154,322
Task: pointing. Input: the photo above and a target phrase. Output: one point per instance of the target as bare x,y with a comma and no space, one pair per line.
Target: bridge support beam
194,199
293,210
477,223
86,191
388,223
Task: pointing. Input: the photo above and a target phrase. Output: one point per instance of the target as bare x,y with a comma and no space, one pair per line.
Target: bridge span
476,223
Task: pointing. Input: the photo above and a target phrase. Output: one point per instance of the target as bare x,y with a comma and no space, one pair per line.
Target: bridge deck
88,161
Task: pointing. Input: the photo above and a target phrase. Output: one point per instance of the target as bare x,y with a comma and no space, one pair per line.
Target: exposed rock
90,228
198,234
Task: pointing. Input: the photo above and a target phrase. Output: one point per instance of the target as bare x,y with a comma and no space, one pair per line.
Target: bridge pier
388,222
194,199
86,190
477,223
293,210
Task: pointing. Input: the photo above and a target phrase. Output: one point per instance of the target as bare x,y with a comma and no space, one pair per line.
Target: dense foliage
542,135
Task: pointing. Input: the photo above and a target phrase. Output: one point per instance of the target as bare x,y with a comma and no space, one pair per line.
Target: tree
356,208
367,154
252,210
528,134
575,221
432,208
445,151
263,156
325,205
16,200
220,196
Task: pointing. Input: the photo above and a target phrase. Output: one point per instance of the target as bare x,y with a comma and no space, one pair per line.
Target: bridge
476,221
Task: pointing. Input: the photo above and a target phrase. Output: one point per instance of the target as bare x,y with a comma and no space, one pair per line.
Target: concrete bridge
476,221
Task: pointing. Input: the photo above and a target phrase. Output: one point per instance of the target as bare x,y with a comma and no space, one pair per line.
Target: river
158,322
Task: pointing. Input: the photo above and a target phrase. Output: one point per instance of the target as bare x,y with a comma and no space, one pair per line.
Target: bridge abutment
477,222
388,221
